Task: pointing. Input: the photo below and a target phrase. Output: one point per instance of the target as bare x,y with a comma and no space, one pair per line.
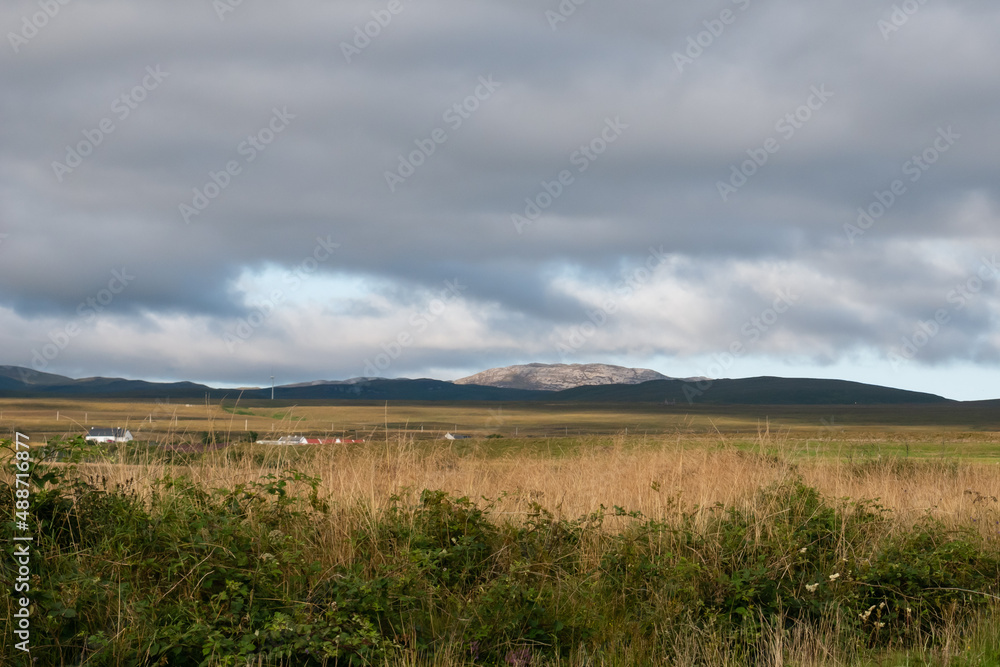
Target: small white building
456,436
106,435
302,440
285,440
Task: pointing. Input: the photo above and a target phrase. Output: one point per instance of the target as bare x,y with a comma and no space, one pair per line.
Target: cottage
303,440
106,435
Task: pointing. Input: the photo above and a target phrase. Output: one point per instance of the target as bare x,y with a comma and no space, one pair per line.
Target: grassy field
596,536
968,431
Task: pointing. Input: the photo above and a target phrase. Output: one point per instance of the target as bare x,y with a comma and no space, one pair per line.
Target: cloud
324,176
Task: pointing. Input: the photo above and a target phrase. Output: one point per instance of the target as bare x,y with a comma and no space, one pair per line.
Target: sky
222,190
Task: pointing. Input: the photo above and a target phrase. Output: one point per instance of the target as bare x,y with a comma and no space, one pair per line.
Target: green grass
189,575
963,430
287,416
236,410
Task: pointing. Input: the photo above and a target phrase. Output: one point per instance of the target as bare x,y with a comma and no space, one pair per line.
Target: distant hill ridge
751,391
631,387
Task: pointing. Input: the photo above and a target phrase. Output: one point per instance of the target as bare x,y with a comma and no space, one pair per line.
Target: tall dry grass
660,477
664,478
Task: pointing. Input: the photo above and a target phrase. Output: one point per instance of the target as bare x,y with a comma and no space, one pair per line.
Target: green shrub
201,576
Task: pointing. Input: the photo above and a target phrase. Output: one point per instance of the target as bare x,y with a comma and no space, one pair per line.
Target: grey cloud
657,185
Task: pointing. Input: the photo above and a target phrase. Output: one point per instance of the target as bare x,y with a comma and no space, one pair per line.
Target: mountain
750,391
18,376
556,377
322,383
381,389
18,381
22,382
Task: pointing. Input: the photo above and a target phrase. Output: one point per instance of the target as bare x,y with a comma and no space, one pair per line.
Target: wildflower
835,576
802,550
882,606
880,625
812,587
519,658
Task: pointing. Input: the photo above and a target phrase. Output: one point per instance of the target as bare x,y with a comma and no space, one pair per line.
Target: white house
109,435
302,440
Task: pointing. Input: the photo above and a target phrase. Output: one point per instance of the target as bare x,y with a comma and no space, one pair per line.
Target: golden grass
660,477
690,466
656,461
959,430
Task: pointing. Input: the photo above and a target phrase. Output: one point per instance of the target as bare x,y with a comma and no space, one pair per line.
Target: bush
229,576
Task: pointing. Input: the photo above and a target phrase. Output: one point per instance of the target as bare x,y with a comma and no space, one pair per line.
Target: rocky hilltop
554,377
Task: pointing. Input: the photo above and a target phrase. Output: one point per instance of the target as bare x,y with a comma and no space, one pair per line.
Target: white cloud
525,293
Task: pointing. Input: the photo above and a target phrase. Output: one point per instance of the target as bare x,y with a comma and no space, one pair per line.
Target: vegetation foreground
399,554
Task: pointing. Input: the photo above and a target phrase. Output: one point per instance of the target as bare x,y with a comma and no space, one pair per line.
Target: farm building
456,436
329,441
302,440
109,435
